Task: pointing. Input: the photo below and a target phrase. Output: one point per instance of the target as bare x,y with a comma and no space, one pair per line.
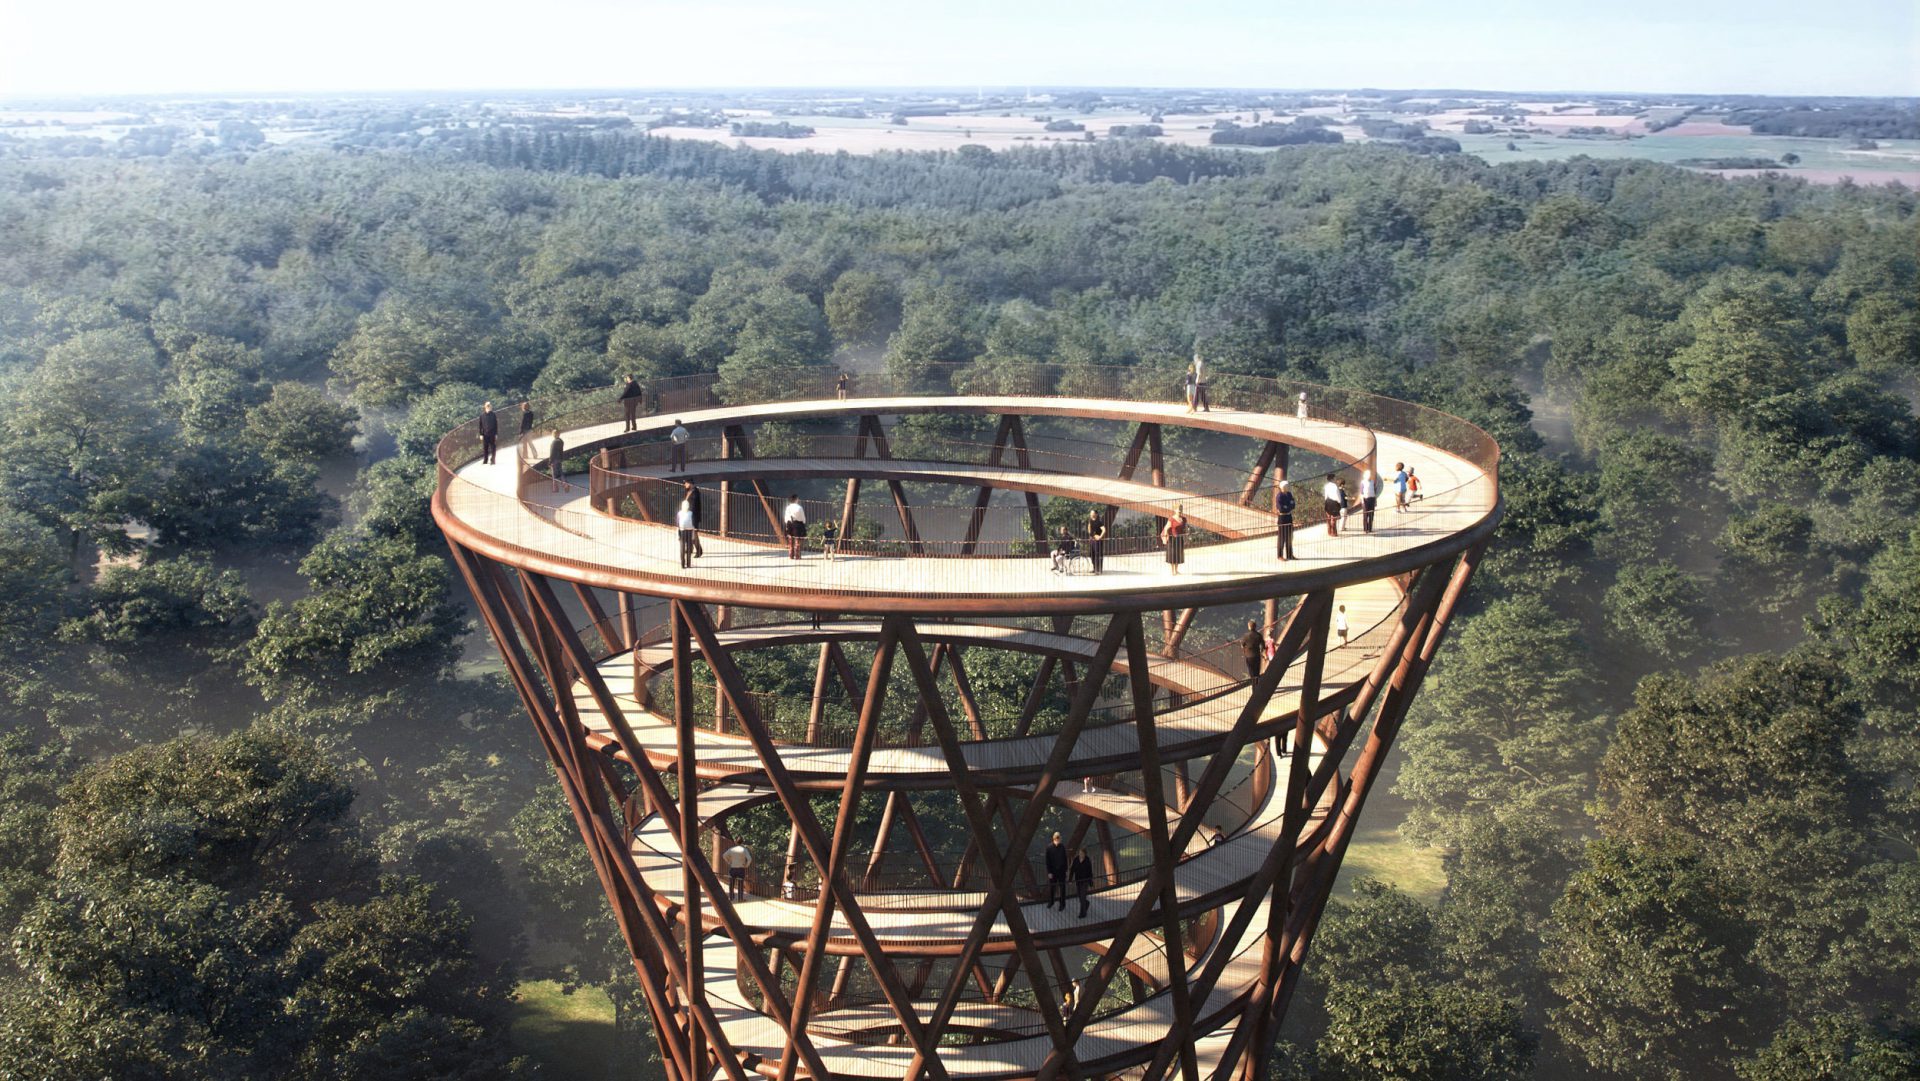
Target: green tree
300,422
1660,609
1653,496
378,610
172,601
84,437
33,578
215,913
1505,725
1835,1047
1393,1005
1749,769
438,412
1751,341
1875,638
405,347
219,495
1883,333
862,308
381,982
1503,875
1415,1029
1648,955
1768,554
30,781
212,403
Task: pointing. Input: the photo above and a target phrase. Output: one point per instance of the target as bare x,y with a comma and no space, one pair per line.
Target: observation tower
960,700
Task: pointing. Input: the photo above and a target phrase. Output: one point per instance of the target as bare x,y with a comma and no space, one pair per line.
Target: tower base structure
819,793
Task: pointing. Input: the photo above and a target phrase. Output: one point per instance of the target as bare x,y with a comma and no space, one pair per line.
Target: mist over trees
265,816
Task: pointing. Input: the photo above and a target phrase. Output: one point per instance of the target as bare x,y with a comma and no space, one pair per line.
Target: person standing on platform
738,859
1082,871
830,539
1369,499
1300,408
1330,495
631,399
1190,387
1200,383
489,433
556,460
1413,487
679,436
683,524
794,521
840,387
1340,624
1174,536
1346,504
1097,540
1057,874
1253,649
1400,487
690,499
1283,505
526,417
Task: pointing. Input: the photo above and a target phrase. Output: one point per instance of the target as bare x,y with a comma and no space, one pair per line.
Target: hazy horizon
1867,48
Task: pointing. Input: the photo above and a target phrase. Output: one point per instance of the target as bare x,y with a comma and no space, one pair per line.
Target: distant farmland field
1822,161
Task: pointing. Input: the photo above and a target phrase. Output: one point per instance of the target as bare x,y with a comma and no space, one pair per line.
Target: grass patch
568,1036
1378,852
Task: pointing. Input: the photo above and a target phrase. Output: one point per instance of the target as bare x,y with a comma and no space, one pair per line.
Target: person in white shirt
1300,408
683,523
1340,625
1200,383
1331,495
738,859
680,436
1369,498
794,521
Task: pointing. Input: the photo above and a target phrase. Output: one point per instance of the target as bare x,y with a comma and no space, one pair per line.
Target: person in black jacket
1082,872
691,497
631,399
489,433
1057,874
526,417
1283,504
1253,648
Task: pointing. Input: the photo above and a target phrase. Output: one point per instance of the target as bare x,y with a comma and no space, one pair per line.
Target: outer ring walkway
562,536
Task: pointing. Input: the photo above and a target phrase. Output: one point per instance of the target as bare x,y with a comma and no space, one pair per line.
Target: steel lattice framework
906,934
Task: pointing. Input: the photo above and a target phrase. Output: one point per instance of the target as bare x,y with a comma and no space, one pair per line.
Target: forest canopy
1667,759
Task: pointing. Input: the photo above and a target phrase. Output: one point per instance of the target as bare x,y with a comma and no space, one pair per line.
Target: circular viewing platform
1117,442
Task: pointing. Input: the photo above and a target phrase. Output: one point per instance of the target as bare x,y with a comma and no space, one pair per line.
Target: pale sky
1867,47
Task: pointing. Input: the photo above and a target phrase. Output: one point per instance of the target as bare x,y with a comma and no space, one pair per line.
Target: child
830,538
1340,625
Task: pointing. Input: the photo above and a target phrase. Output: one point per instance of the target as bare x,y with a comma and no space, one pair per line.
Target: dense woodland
267,814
